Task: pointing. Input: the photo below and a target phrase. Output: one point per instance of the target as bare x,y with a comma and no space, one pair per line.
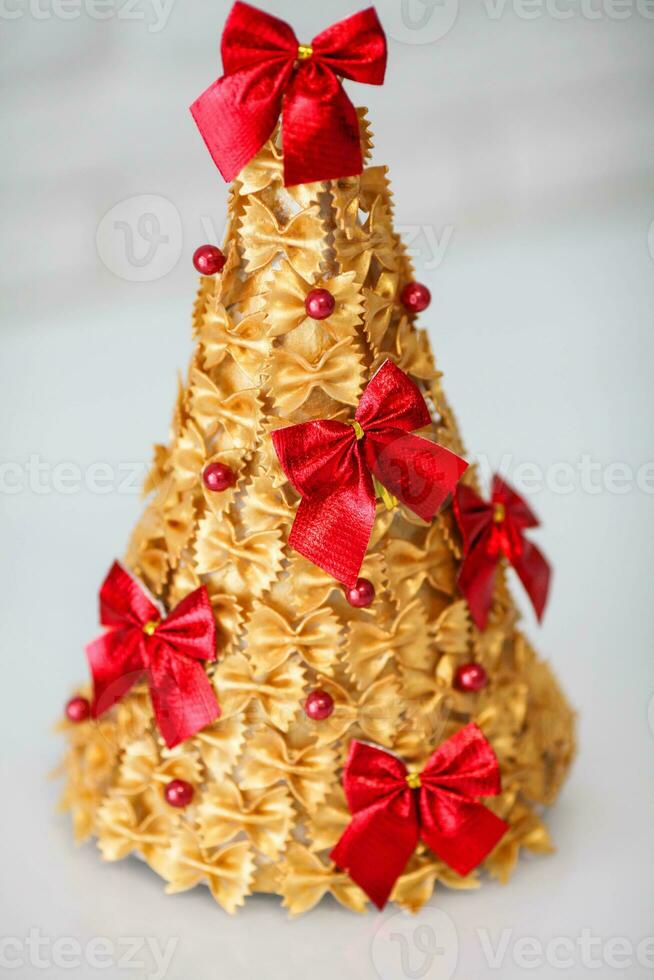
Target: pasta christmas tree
314,601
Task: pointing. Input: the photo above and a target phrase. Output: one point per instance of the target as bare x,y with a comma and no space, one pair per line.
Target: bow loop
183,699
392,809
517,509
168,652
392,401
123,602
265,67
332,465
324,446
373,776
474,515
465,764
354,48
253,37
420,473
189,625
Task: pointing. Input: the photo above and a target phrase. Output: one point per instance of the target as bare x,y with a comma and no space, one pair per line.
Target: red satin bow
393,809
265,68
332,464
168,651
489,531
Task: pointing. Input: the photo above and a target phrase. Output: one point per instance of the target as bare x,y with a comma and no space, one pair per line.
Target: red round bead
470,678
319,705
208,260
179,793
78,709
319,304
416,297
362,594
218,477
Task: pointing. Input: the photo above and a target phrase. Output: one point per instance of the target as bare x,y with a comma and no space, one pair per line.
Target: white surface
533,141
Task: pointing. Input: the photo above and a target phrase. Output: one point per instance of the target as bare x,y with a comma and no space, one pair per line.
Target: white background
523,140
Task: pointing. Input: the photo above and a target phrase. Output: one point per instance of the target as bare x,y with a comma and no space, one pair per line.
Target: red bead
208,260
319,705
470,678
362,594
218,477
78,709
179,793
416,297
319,304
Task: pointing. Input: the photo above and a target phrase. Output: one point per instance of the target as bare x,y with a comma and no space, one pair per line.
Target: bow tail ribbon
375,849
183,700
534,571
314,102
237,114
476,582
334,533
474,830
116,663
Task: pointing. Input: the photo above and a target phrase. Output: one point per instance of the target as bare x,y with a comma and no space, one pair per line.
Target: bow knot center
304,52
414,780
499,513
150,626
358,431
